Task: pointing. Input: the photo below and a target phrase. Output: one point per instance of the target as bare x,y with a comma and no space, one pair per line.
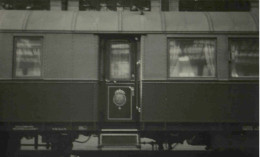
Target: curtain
120,61
209,51
175,51
234,55
28,57
192,58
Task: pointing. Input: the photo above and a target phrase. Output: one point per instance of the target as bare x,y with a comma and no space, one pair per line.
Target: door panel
120,102
119,60
118,73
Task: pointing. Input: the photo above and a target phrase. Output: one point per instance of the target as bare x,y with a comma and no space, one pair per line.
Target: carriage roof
126,21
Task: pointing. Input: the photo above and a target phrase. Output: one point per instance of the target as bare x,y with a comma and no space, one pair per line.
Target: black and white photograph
129,78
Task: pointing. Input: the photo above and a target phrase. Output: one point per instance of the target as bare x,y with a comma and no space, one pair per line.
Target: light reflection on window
120,61
115,5
244,57
192,58
28,56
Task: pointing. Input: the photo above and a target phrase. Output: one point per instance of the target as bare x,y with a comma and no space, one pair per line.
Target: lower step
119,139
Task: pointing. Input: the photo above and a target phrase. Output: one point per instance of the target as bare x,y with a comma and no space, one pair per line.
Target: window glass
244,57
25,4
192,58
120,67
165,5
89,5
144,5
28,56
115,5
214,5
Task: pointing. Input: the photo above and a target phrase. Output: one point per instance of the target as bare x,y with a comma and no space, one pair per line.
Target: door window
120,59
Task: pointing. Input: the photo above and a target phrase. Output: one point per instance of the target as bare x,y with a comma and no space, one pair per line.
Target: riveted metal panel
85,56
57,56
133,21
232,21
186,21
155,57
97,21
12,20
6,55
50,20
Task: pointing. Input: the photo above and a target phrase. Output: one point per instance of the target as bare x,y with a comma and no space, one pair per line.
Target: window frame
15,37
225,6
170,38
229,38
45,3
108,56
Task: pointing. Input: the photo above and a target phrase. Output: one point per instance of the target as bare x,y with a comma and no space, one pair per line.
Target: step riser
119,138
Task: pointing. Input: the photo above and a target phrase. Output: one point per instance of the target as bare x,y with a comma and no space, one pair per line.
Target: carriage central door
119,77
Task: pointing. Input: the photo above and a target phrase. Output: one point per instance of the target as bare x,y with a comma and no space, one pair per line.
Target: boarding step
120,138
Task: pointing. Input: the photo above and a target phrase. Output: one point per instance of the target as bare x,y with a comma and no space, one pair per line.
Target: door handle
138,62
138,109
132,91
108,81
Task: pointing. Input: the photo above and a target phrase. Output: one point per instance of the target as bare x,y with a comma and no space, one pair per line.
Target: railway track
141,153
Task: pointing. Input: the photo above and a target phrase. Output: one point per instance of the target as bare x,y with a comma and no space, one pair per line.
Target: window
144,5
89,5
192,58
64,4
244,57
25,4
120,67
214,5
115,5
165,5
27,57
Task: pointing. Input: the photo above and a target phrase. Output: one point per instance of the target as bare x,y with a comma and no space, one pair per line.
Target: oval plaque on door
119,98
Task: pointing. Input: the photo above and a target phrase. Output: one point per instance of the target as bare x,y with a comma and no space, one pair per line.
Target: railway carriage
169,76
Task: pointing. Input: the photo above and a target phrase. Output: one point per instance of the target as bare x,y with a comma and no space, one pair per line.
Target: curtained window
214,5
25,4
120,67
244,57
115,5
28,56
192,58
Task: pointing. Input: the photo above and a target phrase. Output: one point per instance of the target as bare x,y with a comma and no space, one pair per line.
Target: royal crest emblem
119,98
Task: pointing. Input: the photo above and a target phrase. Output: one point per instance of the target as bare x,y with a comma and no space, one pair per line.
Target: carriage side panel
57,56
47,102
155,57
67,89
6,55
85,57
214,102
